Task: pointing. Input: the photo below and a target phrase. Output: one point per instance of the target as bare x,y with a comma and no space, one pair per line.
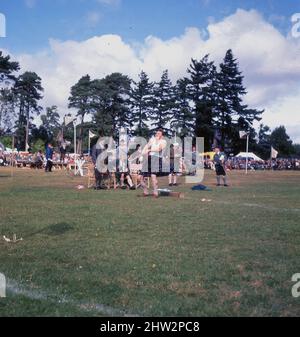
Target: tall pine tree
27,92
201,85
50,122
231,114
263,145
281,141
7,68
80,100
111,104
184,118
164,104
142,102
101,108
119,87
7,110
7,100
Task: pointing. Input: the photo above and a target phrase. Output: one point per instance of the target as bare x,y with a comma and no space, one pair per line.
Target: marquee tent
250,156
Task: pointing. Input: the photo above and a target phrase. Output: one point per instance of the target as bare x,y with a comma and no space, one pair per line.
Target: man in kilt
219,161
153,167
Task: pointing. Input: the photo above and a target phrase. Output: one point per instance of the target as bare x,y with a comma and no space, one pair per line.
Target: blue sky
30,23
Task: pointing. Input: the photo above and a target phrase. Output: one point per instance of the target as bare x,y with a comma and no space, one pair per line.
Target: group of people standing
153,165
150,159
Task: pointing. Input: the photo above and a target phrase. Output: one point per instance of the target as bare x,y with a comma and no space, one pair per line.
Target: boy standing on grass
219,161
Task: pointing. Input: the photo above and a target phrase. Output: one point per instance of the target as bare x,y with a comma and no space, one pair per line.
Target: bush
6,141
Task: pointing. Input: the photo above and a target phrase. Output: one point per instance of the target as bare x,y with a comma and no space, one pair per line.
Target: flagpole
12,157
89,143
247,151
75,147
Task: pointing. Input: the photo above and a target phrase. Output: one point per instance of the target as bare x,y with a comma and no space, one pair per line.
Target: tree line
207,102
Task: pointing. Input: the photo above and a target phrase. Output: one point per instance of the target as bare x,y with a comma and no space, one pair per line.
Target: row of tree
19,99
207,103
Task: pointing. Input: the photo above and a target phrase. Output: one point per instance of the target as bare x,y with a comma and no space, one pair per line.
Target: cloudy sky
63,40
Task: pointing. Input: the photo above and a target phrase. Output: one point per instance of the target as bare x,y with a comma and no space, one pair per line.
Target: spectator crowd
254,165
34,160
38,161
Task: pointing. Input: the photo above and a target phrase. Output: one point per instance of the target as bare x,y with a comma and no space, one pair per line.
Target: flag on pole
69,120
92,135
243,134
274,153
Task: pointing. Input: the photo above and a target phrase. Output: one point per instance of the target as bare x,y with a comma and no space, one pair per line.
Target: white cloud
286,111
269,61
67,61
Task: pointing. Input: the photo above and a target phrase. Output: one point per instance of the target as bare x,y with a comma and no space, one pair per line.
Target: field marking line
253,205
270,208
14,288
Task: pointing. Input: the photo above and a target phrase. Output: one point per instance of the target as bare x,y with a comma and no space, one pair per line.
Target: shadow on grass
53,230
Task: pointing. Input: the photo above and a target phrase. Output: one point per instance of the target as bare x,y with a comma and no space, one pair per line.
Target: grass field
94,253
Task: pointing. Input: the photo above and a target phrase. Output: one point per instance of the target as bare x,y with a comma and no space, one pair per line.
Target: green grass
89,253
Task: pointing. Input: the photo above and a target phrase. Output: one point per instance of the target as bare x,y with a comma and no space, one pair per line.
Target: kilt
220,170
153,165
174,166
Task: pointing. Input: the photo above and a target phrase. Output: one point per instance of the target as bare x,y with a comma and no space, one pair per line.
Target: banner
274,153
92,135
69,120
243,134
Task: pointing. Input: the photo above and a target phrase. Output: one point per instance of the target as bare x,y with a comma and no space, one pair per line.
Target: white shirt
156,146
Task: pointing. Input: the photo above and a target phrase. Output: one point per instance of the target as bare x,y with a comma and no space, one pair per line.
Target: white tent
250,156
